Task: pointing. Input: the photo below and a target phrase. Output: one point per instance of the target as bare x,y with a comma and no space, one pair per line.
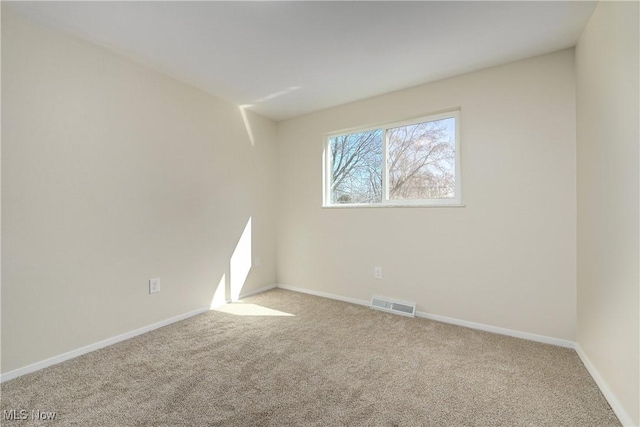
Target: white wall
113,174
507,259
608,233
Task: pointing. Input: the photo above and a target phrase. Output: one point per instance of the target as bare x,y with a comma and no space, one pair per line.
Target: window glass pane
422,159
356,167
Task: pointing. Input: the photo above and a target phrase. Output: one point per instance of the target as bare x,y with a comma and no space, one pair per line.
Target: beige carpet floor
287,359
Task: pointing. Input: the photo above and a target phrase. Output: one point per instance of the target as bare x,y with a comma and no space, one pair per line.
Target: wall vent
391,306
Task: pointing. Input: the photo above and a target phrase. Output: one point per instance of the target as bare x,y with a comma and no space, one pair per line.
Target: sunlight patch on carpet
242,309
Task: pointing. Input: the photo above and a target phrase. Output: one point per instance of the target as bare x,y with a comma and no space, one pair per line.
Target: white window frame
386,202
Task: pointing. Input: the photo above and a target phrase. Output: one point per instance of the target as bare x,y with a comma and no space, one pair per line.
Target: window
409,163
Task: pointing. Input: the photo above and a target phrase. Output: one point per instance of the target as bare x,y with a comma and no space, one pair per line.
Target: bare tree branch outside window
357,167
422,160
420,163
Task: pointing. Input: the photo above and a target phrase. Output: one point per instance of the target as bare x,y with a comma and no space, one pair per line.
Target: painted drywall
608,232
113,174
506,259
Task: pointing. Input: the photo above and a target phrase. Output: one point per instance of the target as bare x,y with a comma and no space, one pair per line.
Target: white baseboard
444,319
622,415
258,291
95,346
498,330
109,341
324,295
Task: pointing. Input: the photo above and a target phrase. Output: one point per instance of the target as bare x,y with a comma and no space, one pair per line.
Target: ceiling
285,59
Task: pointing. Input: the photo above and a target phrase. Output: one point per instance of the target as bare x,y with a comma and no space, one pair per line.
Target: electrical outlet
377,272
154,285
257,262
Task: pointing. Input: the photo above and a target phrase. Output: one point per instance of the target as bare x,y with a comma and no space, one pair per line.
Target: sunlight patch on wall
219,298
242,309
240,263
247,125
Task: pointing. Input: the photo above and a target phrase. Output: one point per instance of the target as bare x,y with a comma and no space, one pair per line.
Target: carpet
283,358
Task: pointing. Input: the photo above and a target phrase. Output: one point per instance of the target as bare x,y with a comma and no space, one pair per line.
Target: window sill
377,206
